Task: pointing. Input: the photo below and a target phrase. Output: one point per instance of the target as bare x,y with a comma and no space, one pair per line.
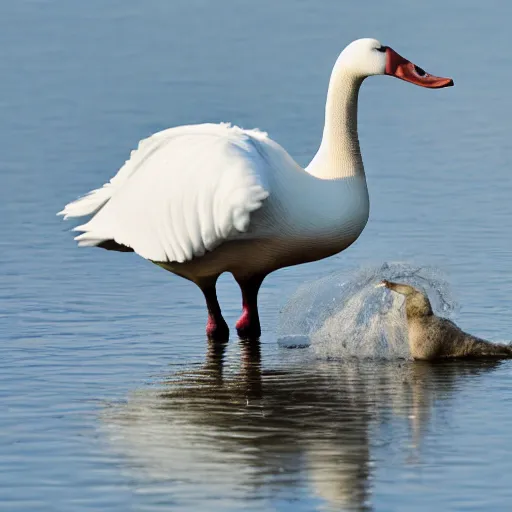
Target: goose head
368,57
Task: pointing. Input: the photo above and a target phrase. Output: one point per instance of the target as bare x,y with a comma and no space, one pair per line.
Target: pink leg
216,328
248,325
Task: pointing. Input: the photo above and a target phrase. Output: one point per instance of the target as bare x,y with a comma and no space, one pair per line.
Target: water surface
111,398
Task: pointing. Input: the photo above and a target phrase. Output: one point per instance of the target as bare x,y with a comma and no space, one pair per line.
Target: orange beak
397,66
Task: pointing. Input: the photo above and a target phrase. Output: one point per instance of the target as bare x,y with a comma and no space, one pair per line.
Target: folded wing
182,192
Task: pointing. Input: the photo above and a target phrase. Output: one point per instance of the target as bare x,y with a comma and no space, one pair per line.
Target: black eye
382,49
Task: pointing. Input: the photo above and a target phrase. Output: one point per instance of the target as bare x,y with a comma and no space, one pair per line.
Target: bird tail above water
482,348
88,204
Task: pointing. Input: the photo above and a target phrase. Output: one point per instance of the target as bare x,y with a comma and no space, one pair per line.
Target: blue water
109,397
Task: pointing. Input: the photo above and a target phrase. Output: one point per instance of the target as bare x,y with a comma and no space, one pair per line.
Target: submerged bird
432,337
206,199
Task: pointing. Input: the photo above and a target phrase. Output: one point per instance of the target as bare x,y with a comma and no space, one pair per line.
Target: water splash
340,316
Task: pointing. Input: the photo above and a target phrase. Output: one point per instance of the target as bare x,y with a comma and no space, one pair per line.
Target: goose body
200,224
205,199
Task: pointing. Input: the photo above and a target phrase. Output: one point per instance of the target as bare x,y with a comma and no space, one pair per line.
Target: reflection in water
232,434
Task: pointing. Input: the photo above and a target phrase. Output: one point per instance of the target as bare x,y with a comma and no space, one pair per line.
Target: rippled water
309,435
110,396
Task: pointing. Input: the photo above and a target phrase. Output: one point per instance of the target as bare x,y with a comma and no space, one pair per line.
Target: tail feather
93,201
88,204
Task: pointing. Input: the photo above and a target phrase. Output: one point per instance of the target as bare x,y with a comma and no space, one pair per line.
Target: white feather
183,192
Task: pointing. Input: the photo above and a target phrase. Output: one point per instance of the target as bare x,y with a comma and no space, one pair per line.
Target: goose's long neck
339,155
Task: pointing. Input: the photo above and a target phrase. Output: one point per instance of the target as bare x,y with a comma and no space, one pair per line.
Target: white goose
206,199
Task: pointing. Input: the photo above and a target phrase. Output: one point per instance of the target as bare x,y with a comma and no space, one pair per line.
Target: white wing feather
182,192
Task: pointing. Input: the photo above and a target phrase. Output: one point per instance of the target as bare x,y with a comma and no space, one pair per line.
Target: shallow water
109,398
